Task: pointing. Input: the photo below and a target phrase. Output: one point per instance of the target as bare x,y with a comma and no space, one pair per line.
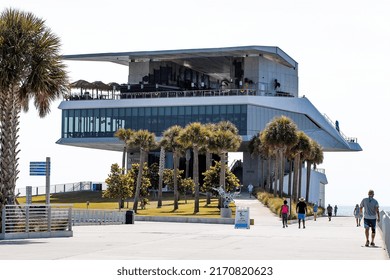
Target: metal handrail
348,139
180,93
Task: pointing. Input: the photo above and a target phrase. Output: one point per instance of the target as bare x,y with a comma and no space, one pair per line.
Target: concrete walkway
339,239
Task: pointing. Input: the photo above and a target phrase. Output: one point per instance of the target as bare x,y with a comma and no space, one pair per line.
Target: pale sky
341,47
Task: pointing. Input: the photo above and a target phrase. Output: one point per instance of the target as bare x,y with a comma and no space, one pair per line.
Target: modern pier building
248,86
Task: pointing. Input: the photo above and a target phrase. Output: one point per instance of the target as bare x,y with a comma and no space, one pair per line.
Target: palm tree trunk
269,181
175,190
188,157
208,165
281,174
196,179
222,182
161,177
139,180
290,162
124,159
300,179
295,177
308,173
9,127
276,176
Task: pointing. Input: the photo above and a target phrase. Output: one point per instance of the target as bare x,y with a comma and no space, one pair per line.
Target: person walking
335,210
357,215
250,189
301,210
329,209
284,213
371,216
315,210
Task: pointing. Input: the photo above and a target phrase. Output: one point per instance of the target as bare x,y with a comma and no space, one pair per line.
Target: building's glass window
104,122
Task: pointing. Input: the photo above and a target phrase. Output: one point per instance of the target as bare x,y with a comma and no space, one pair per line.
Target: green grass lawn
96,201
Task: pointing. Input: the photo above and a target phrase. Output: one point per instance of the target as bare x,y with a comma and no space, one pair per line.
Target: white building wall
251,70
317,186
286,76
251,170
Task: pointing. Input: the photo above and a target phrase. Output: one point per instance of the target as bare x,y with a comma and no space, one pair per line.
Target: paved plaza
339,239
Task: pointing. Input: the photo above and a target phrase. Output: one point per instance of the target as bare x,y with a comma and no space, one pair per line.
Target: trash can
129,217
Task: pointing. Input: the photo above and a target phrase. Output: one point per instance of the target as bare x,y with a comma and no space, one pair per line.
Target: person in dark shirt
330,210
301,210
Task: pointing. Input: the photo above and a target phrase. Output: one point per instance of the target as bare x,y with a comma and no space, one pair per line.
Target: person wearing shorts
371,216
301,210
315,210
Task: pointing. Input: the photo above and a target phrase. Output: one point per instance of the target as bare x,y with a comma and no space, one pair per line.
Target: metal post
47,180
27,210
28,194
70,219
3,217
49,218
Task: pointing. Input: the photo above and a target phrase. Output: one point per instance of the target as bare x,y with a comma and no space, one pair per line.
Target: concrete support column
251,170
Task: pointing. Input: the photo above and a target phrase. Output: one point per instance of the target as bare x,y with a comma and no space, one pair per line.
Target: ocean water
348,210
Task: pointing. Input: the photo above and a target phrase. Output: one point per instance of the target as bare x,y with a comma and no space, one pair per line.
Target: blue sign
38,168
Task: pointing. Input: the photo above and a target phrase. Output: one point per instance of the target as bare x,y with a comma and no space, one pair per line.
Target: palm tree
31,68
144,141
280,135
298,149
170,143
224,139
316,156
194,135
124,135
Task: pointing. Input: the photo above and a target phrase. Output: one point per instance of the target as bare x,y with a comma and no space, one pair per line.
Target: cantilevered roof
194,57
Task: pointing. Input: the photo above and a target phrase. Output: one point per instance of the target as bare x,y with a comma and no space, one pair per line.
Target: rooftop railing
173,94
336,126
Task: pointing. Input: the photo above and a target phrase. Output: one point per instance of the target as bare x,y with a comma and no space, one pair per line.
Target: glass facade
104,122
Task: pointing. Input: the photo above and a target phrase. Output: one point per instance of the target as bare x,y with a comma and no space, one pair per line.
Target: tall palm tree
298,149
170,143
224,139
316,156
144,141
194,135
31,68
280,135
124,135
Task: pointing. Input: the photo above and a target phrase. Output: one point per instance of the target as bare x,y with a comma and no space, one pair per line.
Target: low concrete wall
229,221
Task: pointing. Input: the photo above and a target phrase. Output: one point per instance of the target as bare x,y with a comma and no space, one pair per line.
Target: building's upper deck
253,69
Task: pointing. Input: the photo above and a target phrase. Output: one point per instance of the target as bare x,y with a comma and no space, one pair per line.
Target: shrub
275,203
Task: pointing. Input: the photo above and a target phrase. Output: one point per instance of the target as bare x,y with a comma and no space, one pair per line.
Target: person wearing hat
301,210
371,216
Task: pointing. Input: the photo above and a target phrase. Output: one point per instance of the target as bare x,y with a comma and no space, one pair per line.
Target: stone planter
226,213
